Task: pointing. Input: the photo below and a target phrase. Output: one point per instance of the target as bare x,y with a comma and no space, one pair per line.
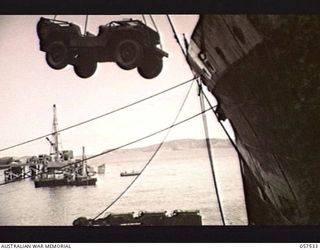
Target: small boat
132,173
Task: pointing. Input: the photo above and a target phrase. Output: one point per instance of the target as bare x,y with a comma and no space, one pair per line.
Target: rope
55,16
151,158
129,143
100,116
155,26
205,125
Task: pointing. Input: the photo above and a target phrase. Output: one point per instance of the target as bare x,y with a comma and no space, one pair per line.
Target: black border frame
216,234
175,234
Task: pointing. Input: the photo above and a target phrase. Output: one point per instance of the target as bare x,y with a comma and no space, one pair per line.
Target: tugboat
61,170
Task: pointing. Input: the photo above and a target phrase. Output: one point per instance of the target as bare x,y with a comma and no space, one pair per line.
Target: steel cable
151,158
100,116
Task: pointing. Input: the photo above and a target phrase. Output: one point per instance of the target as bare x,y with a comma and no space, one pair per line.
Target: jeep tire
151,67
57,55
128,53
85,70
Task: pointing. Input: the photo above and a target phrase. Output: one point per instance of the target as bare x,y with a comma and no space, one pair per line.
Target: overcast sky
29,88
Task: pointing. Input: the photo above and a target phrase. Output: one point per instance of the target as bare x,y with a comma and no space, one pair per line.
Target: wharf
53,182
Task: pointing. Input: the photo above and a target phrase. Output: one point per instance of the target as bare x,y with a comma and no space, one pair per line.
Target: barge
176,218
61,169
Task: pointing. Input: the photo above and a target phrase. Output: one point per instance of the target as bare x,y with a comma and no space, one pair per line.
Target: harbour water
175,179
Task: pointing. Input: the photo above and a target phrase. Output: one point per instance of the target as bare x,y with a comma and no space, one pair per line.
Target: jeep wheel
85,70
128,54
151,67
56,56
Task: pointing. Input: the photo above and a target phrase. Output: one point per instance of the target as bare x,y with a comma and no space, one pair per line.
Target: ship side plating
264,72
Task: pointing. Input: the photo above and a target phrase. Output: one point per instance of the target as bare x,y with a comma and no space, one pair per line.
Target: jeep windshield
124,23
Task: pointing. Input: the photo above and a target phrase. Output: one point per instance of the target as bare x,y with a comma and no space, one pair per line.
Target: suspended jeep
129,44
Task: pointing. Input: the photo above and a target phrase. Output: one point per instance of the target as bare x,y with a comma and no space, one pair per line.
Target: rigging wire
100,116
205,125
129,143
155,26
144,19
151,158
176,36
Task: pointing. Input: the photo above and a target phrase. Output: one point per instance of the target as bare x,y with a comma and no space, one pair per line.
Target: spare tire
128,53
57,55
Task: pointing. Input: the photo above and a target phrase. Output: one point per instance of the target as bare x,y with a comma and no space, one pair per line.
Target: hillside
183,144
175,145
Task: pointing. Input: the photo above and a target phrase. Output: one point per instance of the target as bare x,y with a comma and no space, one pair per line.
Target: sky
29,88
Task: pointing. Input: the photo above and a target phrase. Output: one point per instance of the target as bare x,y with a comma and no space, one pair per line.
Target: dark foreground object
65,182
229,234
129,44
178,218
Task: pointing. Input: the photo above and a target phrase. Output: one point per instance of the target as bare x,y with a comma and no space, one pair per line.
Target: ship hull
266,82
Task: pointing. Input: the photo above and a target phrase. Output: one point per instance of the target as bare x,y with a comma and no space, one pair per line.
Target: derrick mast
55,136
84,163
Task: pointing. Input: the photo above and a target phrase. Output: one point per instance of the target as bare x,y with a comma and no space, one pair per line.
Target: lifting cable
151,158
129,143
100,116
205,125
85,25
155,26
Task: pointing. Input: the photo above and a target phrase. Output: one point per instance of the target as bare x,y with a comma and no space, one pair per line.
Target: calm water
176,179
